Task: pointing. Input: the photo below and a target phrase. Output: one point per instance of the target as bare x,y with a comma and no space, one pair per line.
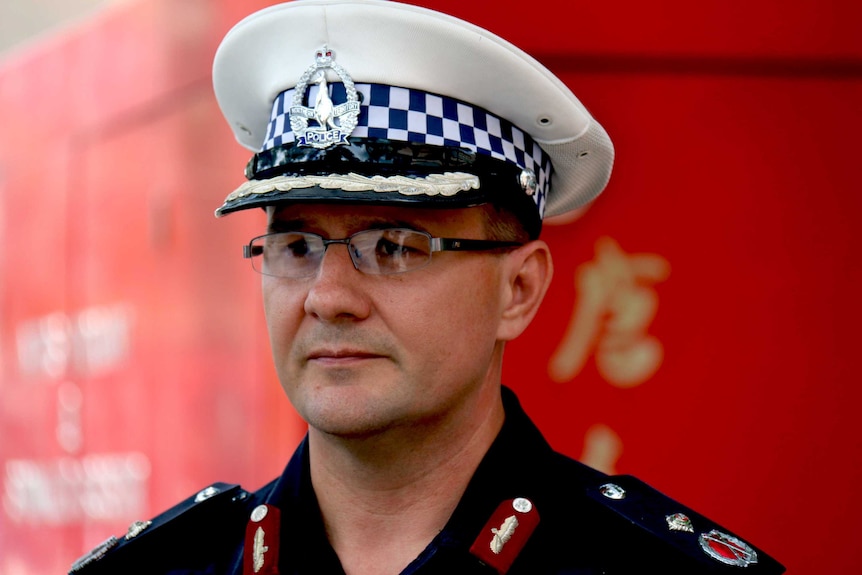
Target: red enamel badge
506,533
260,556
727,549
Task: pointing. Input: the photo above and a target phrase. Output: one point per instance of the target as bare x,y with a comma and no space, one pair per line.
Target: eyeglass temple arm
456,244
249,251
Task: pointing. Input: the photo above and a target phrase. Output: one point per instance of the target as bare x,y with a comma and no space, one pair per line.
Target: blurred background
25,21
702,333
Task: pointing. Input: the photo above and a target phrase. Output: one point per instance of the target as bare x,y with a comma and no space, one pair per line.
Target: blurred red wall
701,332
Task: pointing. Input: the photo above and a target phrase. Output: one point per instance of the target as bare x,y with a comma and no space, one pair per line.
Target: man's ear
527,274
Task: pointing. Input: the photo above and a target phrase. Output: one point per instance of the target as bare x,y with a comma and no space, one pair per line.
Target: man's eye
297,248
388,248
289,245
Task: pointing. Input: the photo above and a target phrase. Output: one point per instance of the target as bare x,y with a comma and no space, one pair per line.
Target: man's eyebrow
384,224
277,225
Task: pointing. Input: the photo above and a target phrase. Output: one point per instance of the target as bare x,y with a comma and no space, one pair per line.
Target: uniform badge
95,554
205,494
612,491
261,541
679,522
136,529
727,549
503,534
335,122
506,533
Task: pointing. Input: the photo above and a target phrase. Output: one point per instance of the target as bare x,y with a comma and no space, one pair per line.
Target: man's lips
341,355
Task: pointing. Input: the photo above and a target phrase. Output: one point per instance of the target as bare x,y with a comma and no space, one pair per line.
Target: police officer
405,160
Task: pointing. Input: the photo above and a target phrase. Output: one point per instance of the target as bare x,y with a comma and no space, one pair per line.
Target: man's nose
337,289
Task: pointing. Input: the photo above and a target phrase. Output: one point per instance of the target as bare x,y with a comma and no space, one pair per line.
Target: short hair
503,225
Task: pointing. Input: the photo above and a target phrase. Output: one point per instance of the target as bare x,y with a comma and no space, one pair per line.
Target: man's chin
344,407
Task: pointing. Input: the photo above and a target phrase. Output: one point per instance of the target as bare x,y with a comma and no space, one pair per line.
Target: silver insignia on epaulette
205,494
522,505
137,528
95,554
612,491
325,112
260,549
503,534
679,522
727,549
259,513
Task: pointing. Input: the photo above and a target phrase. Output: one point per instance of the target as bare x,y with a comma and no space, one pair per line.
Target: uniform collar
507,471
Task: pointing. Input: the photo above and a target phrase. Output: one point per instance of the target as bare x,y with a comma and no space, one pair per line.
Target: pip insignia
205,494
612,491
727,549
522,505
679,522
136,529
335,122
259,513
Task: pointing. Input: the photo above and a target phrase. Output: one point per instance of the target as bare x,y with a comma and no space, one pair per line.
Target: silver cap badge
335,122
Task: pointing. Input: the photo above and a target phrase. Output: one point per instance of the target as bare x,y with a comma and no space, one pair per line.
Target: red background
131,329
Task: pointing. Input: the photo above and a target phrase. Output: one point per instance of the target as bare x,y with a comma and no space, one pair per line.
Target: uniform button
259,513
612,491
205,494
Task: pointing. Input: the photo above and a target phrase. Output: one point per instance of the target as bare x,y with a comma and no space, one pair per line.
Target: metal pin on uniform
679,522
506,533
262,541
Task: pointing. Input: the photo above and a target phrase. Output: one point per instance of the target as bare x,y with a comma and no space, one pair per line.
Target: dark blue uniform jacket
581,530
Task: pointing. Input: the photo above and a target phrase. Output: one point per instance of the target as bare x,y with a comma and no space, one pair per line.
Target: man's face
358,353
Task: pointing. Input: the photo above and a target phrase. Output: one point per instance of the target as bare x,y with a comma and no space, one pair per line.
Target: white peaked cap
385,43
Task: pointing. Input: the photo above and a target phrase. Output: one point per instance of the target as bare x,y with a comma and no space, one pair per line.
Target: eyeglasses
382,251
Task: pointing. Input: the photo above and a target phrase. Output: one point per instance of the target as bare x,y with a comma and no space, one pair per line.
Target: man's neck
384,498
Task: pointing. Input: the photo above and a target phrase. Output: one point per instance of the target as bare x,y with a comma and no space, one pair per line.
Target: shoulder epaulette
219,504
668,529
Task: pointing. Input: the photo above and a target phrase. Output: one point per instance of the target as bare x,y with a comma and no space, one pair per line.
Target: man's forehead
358,217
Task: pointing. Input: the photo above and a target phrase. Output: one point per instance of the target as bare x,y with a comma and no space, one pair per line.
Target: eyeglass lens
384,251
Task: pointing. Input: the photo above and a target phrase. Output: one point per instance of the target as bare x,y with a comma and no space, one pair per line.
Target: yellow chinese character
615,304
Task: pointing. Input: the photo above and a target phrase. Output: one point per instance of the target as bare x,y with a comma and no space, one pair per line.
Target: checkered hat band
407,115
